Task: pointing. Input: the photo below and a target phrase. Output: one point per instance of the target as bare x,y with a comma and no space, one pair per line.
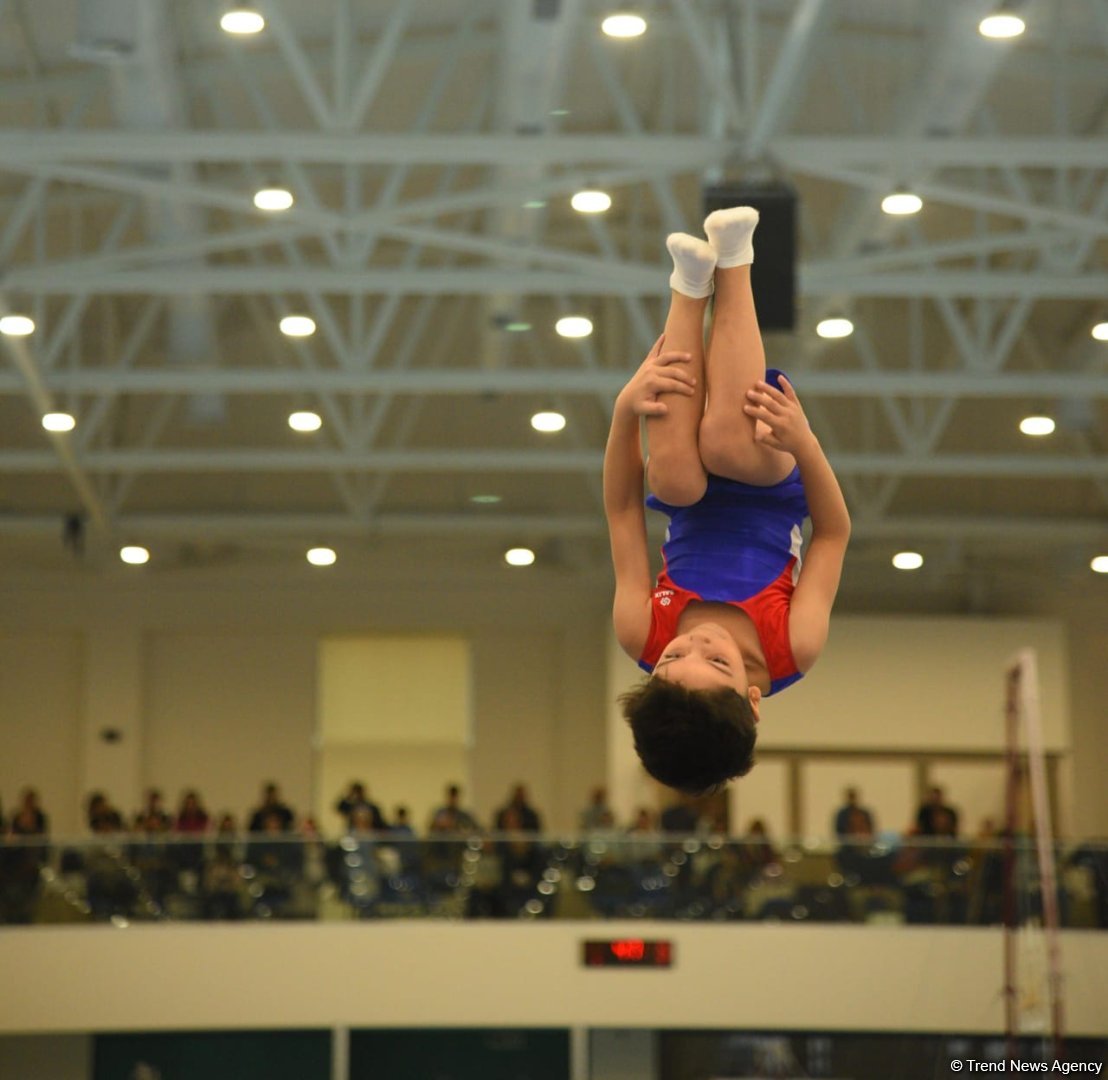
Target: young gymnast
736,468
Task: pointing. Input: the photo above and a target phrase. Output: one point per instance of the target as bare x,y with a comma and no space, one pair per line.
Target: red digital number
629,951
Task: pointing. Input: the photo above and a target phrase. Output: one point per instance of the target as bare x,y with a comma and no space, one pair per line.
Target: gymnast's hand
783,424
660,373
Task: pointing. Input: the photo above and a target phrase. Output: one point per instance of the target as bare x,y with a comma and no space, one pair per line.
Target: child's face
705,658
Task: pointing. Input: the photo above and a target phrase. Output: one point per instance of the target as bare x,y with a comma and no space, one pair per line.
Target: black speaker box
773,275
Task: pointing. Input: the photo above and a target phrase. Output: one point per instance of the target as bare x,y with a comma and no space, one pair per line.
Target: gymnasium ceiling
133,134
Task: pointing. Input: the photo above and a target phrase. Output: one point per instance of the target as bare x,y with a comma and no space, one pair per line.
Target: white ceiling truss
133,134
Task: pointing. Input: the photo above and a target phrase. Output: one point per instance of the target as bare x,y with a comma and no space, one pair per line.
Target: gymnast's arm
788,430
623,507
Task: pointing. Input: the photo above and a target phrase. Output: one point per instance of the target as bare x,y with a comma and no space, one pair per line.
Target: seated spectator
31,814
109,880
519,811
191,815
522,863
149,855
680,817
271,805
597,815
757,850
277,862
226,833
935,818
850,810
401,826
101,815
153,808
451,818
21,861
221,887
356,798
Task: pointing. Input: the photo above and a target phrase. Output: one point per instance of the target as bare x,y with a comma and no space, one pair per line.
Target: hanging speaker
773,275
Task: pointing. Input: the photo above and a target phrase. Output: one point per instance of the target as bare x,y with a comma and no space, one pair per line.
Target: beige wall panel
918,684
226,712
40,723
395,689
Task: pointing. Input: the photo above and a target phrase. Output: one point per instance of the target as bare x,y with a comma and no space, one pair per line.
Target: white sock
694,265
731,234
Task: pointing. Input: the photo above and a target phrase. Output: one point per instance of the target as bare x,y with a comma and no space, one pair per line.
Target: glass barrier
126,877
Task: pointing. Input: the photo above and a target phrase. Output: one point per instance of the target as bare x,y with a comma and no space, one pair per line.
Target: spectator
277,862
226,833
271,805
935,818
20,865
102,816
401,827
680,817
525,817
191,815
450,817
597,815
220,886
522,862
851,809
32,814
757,850
153,809
357,799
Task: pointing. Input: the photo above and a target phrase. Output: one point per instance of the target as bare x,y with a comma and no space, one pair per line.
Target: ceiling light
902,202
534,204
305,421
58,421
484,500
1001,25
322,556
1037,425
591,202
907,560
519,556
574,326
834,328
17,325
298,326
134,555
517,327
1099,565
624,25
241,21
1100,331
548,422
273,198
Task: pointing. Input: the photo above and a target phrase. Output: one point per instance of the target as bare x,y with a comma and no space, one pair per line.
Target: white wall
435,973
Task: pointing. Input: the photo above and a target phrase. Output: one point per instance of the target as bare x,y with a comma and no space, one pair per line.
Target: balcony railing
122,878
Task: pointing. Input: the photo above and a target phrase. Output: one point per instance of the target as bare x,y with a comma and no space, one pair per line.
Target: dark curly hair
691,740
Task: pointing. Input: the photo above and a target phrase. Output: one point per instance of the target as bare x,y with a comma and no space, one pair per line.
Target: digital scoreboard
627,953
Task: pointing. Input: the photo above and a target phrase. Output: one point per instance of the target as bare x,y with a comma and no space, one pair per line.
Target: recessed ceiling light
591,202
17,325
273,198
298,326
534,204
1001,25
1099,565
834,328
624,25
242,21
907,560
1100,331
305,421
574,326
134,555
485,500
902,202
519,556
548,422
1037,425
322,556
59,421
517,327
